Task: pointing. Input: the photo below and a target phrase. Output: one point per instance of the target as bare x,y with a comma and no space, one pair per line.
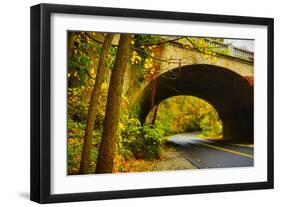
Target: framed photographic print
132,103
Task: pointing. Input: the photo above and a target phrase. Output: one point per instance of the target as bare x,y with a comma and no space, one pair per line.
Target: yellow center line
228,150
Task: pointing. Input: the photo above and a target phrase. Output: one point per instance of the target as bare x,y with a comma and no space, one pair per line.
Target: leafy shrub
75,129
141,142
74,148
129,134
75,140
77,107
152,142
163,128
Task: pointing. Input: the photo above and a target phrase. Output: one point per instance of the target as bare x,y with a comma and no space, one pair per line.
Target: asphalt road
212,153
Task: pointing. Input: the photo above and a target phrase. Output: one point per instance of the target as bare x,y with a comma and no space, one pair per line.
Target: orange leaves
118,159
250,79
74,131
150,64
133,165
157,50
71,141
151,70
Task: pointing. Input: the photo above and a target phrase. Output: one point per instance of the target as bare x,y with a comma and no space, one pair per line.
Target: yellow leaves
206,56
125,98
208,52
133,165
210,57
132,42
92,72
135,59
151,47
148,63
125,103
118,159
182,41
201,42
213,60
151,69
69,74
104,86
121,126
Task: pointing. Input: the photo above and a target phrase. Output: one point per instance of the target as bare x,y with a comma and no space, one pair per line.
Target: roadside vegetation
103,137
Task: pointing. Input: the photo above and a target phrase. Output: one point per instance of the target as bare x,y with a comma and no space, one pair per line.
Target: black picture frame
41,96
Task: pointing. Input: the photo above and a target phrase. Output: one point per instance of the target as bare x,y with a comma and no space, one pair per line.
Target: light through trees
180,114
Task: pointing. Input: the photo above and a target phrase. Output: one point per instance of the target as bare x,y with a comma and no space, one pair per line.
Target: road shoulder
172,159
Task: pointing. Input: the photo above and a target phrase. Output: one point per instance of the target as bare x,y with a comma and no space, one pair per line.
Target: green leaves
135,141
84,57
141,142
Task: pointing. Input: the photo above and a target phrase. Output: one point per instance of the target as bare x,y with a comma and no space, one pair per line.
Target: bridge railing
243,53
232,50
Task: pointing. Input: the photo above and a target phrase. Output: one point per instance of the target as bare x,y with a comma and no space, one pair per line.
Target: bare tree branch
97,41
160,43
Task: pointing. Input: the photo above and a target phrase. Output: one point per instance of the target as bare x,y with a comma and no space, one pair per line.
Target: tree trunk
181,107
72,81
154,114
70,44
111,120
92,111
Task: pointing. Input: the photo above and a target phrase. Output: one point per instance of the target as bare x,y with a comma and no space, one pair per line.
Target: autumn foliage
135,147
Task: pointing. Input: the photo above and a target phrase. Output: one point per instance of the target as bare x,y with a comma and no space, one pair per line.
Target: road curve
210,153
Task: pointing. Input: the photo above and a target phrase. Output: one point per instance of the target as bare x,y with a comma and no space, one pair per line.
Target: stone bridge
221,79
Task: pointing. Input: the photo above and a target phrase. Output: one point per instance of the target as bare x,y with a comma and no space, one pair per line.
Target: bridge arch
228,92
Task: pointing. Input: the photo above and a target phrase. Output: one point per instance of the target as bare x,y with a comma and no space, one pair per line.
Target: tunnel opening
227,91
186,114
